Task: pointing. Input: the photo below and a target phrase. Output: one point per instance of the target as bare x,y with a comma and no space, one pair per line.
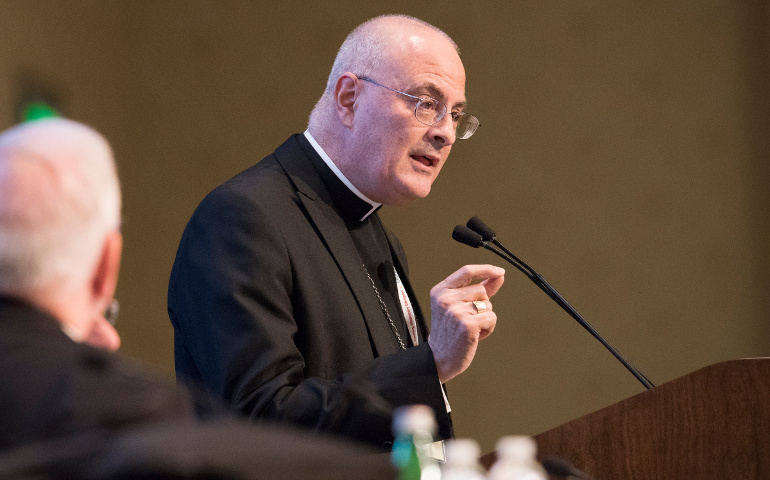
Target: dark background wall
623,152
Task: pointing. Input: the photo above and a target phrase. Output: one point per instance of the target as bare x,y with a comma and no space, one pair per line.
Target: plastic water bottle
516,460
414,427
462,460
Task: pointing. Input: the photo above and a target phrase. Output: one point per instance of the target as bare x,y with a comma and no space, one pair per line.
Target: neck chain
385,311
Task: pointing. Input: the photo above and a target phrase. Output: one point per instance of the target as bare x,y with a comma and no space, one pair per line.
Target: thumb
492,285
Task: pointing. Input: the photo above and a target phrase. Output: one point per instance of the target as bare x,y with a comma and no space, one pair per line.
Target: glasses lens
111,314
429,110
466,126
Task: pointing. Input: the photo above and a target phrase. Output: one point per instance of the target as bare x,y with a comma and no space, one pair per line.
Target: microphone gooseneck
466,236
488,241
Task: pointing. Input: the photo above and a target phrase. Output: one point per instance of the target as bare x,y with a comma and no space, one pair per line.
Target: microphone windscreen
478,226
467,236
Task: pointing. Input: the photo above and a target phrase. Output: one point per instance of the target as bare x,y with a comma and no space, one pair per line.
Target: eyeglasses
430,111
111,314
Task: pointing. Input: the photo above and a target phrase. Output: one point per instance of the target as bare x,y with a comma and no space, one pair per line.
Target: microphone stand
538,280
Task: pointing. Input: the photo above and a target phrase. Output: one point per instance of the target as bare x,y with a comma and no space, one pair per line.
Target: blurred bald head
59,222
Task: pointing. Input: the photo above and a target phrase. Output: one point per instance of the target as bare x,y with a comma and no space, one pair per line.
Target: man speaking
288,296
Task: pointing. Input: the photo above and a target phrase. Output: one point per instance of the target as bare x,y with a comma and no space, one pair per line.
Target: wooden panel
712,423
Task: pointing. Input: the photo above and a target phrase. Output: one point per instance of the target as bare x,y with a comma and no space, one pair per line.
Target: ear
105,277
346,94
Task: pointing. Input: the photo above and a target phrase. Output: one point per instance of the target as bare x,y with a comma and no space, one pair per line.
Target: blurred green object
405,458
36,110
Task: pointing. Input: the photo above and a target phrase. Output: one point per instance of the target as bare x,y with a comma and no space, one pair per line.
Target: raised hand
461,315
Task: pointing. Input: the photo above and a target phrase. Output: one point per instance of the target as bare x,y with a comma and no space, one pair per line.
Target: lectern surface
711,424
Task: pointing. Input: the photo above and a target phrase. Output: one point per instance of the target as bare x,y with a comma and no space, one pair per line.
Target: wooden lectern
711,424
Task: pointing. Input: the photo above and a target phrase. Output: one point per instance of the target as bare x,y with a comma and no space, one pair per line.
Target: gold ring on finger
480,306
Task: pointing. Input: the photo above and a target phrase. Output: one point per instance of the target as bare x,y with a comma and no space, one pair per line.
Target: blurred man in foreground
69,405
60,248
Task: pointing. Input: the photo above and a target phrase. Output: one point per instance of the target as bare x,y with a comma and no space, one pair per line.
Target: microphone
473,239
559,467
481,228
467,236
485,237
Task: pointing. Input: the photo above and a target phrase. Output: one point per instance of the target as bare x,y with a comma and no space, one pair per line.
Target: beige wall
623,154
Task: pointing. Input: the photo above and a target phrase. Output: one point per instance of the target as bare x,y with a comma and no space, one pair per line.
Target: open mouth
427,161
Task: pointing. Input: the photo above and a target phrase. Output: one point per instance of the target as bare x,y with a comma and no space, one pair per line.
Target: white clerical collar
343,178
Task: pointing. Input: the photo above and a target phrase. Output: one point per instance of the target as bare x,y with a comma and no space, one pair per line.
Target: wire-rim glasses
430,111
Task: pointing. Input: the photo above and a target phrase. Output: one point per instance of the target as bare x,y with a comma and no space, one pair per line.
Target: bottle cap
462,451
414,418
516,447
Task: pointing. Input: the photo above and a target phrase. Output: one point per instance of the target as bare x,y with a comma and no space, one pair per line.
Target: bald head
370,48
59,201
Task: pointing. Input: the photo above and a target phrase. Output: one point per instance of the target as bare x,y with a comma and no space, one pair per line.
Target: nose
103,335
442,133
